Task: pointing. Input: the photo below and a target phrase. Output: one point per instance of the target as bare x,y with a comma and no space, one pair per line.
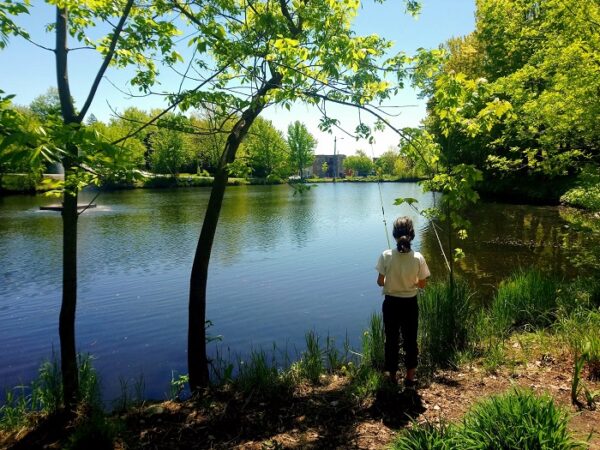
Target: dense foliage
539,62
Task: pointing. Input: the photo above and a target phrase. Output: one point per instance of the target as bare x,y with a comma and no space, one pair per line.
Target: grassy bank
30,184
534,324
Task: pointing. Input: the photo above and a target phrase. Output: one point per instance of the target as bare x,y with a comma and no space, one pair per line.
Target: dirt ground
329,417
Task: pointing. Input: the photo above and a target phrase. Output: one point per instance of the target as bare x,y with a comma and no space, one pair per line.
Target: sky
28,71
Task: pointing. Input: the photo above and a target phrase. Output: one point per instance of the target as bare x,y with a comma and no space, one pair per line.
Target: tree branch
107,59
162,113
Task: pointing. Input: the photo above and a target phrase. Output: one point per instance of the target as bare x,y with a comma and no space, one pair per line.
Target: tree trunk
66,322
197,358
66,325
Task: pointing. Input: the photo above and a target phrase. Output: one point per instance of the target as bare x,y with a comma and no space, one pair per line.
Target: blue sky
28,71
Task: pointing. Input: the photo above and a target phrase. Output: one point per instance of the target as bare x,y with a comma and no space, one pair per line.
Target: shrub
44,394
425,437
310,366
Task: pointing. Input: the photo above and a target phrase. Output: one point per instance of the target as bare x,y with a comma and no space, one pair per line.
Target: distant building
335,165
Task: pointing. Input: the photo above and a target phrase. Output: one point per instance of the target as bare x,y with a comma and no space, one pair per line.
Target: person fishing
402,271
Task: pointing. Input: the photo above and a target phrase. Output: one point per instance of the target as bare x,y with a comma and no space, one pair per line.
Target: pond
282,265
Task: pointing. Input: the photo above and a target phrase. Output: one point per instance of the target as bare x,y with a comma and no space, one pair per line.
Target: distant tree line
178,143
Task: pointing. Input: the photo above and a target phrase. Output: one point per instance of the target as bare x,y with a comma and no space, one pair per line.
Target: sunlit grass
517,419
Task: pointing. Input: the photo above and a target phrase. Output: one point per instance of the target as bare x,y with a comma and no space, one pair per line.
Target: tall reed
445,318
311,365
373,339
260,375
44,394
527,299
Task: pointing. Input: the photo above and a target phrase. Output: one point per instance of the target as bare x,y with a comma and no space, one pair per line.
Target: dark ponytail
404,233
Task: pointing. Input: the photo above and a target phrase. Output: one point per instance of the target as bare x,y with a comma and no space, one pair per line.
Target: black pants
400,315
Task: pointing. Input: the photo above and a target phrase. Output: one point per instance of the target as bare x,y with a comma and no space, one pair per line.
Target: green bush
274,179
587,192
425,437
311,366
45,393
365,381
582,293
94,432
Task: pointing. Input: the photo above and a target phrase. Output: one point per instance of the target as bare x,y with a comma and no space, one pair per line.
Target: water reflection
505,237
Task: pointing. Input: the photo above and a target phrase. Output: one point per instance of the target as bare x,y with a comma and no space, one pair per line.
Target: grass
444,318
527,299
373,354
311,365
44,394
517,419
260,375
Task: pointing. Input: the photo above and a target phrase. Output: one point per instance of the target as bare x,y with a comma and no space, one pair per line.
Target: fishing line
387,236
431,222
434,226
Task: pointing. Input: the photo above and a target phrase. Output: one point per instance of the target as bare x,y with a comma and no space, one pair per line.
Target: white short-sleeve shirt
402,271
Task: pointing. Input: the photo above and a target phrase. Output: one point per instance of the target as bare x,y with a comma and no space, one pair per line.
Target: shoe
410,384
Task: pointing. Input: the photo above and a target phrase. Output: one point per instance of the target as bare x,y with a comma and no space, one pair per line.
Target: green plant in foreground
365,380
427,436
260,376
94,432
177,385
517,420
576,331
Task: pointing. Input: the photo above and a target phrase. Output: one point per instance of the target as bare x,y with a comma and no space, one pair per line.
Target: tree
46,106
169,145
302,147
136,34
266,150
264,53
386,163
542,59
360,164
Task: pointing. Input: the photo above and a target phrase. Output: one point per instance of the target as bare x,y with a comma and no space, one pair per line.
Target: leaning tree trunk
197,358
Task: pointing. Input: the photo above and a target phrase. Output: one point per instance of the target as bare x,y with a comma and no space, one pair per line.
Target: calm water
281,265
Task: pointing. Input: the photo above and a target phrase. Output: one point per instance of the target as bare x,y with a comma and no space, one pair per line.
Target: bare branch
379,116
165,111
